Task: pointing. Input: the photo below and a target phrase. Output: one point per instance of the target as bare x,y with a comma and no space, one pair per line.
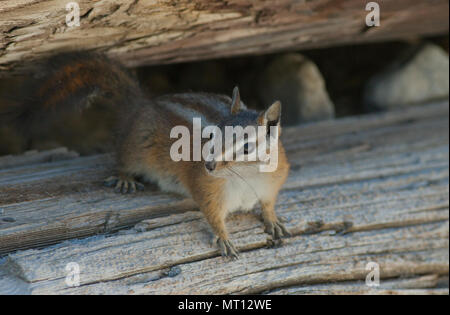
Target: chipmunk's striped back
212,109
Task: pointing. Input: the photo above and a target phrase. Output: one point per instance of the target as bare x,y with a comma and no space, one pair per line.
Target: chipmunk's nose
210,165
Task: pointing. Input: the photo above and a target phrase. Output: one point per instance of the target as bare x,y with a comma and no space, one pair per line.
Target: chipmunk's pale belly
244,195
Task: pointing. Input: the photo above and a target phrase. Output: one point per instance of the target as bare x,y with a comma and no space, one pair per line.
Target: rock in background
418,77
345,69
298,84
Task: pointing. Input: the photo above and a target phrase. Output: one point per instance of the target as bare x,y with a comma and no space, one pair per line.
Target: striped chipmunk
71,84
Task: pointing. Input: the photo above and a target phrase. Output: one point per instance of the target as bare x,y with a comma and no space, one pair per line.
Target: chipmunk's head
245,140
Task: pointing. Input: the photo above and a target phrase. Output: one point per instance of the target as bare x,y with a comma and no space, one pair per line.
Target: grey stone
421,75
298,84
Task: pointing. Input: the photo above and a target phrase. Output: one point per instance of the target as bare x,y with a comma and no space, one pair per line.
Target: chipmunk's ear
235,101
271,116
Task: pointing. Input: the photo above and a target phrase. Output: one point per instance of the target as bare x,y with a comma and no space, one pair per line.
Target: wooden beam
140,263
46,203
372,188
140,32
420,285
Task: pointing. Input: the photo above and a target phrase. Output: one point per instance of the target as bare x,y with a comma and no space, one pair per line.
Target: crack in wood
237,27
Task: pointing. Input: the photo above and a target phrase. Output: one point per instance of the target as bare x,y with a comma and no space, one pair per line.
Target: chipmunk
74,82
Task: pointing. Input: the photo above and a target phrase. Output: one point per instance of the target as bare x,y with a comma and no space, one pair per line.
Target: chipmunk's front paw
123,185
227,248
277,231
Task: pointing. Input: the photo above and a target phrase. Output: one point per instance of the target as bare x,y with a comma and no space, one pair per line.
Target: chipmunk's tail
67,84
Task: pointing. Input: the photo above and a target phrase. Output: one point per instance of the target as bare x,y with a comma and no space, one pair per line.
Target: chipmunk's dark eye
246,148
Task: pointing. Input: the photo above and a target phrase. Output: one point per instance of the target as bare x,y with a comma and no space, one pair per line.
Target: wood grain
144,32
362,189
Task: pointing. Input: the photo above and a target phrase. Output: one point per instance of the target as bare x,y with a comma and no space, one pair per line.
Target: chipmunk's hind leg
123,184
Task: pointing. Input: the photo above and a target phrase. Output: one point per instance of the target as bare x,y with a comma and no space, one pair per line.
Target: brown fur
142,128
151,156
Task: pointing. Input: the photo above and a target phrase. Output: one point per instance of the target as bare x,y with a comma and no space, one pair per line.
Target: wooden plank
32,157
366,189
46,203
422,285
140,263
140,32
10,284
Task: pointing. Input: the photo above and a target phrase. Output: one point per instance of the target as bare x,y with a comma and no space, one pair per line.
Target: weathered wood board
362,189
143,32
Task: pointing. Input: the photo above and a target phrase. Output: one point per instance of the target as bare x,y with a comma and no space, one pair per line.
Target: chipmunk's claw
277,231
227,249
123,186
110,181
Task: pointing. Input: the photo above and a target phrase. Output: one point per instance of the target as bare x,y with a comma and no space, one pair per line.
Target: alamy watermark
251,144
73,274
373,277
73,17
373,18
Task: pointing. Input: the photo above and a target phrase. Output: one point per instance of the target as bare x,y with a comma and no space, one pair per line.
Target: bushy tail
71,99
67,84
